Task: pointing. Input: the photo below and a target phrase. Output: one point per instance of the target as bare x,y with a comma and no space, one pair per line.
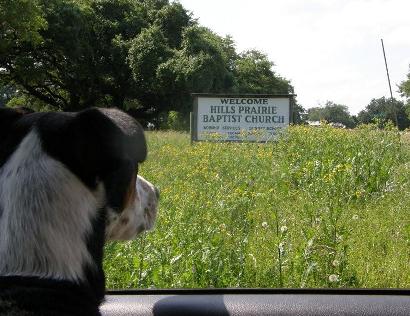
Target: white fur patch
46,215
138,217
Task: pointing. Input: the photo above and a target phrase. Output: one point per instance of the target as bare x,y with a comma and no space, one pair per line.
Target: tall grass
318,208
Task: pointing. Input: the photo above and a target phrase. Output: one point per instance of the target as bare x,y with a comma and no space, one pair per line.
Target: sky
330,50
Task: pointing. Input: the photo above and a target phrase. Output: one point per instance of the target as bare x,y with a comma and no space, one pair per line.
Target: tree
169,76
200,64
404,87
82,60
383,110
332,113
254,74
338,113
173,19
315,114
6,93
145,57
21,21
59,70
299,114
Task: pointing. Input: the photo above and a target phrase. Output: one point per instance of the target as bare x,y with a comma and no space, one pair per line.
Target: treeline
380,111
143,56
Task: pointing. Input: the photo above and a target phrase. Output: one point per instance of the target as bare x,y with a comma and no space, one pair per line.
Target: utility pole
388,79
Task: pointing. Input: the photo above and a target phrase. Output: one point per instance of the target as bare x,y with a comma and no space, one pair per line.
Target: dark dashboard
258,302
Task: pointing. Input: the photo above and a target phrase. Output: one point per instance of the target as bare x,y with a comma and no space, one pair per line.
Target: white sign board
240,118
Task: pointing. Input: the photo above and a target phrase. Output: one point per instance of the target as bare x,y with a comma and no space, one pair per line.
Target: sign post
247,117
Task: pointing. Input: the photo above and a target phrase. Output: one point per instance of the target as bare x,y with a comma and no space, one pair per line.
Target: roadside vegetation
321,207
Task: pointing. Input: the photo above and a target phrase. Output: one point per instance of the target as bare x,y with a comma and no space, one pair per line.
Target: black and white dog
68,183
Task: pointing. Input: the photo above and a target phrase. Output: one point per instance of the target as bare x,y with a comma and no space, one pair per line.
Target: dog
68,183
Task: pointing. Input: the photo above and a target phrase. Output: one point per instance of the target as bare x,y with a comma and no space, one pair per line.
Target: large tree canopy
20,23
82,60
144,56
254,74
384,109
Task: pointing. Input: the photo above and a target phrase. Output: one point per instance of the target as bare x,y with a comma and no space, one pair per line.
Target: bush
175,121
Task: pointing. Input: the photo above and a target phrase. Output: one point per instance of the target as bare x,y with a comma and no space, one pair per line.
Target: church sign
240,117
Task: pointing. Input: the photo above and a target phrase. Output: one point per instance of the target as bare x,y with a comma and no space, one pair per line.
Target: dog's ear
98,145
23,110
120,147
19,111
11,131
8,116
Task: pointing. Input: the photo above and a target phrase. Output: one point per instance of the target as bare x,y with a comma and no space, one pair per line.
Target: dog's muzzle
138,217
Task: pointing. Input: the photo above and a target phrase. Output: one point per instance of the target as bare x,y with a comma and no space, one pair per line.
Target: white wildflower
253,259
282,248
175,259
264,225
335,263
355,217
283,229
333,278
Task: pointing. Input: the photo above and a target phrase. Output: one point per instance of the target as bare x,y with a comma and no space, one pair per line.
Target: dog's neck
52,226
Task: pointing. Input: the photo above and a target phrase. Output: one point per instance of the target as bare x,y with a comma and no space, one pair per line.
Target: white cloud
329,49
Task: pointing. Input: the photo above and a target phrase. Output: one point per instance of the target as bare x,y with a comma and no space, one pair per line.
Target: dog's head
68,183
131,201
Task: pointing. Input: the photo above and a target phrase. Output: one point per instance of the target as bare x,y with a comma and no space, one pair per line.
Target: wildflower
335,263
333,278
283,229
222,227
253,259
264,225
175,259
282,248
355,217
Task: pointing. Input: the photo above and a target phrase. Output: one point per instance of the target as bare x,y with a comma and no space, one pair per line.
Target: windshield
320,207
277,132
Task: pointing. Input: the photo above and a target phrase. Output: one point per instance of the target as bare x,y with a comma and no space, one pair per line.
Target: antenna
388,78
387,70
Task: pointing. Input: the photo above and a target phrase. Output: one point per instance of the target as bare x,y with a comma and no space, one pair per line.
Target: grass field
321,207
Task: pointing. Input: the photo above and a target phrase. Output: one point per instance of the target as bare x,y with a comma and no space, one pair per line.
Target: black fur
95,145
12,130
34,296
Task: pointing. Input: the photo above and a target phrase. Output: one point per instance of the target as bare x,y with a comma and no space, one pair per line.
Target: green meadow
320,207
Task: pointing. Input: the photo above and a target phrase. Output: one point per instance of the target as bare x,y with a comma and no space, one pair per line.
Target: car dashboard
258,302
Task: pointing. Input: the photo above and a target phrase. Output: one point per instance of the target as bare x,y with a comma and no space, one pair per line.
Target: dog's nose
156,192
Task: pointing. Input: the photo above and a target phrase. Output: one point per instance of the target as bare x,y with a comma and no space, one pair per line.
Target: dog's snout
157,192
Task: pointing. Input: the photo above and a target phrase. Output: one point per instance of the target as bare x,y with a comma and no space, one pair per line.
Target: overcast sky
329,49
